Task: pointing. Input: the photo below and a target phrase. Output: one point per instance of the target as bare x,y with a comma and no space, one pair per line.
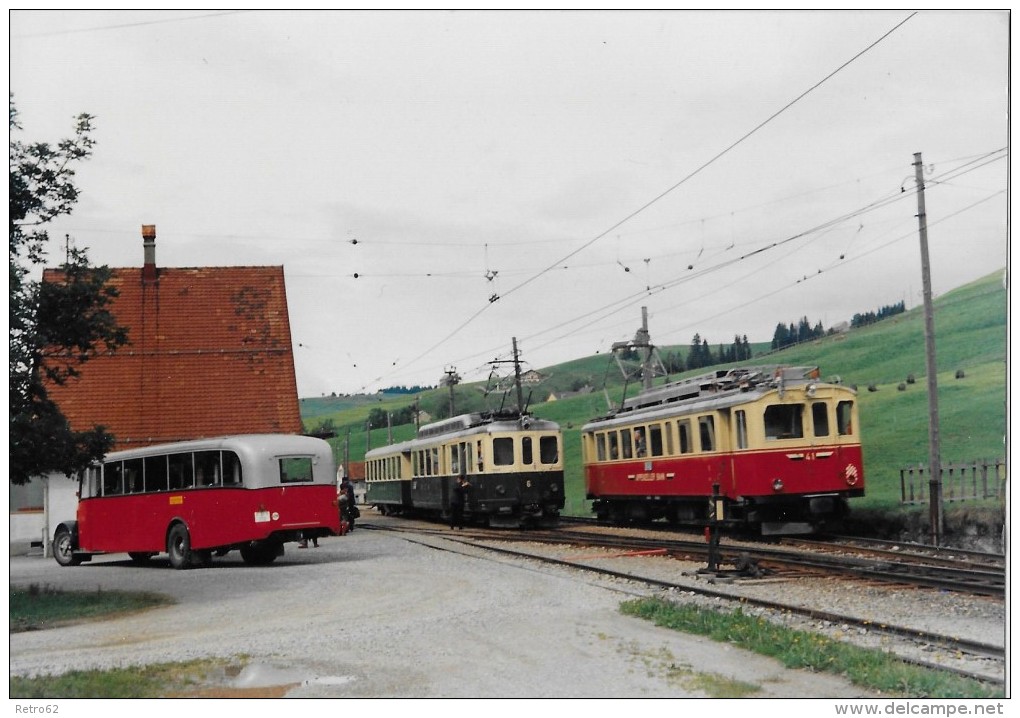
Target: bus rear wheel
63,548
178,546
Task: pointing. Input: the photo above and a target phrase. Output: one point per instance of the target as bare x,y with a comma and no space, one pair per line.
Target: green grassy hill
971,333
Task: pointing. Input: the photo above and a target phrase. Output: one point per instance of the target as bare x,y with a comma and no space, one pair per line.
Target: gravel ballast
382,615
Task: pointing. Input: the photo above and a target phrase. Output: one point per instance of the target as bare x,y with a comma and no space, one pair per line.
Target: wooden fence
960,482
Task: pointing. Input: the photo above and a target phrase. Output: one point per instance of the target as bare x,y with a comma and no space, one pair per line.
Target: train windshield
784,421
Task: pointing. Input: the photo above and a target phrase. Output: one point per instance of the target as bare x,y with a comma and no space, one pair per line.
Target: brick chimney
149,247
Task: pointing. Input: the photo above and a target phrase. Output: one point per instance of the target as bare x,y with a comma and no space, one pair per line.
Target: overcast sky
727,170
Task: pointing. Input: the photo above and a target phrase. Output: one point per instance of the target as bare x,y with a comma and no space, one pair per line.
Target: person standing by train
349,510
458,500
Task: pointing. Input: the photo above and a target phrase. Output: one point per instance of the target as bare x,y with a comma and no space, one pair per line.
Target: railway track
482,539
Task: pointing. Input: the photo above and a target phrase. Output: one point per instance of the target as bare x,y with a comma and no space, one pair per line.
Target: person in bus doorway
458,500
349,511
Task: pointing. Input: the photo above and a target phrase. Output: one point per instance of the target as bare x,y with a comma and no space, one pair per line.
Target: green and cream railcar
513,463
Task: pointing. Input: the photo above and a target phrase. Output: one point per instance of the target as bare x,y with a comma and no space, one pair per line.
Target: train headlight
777,485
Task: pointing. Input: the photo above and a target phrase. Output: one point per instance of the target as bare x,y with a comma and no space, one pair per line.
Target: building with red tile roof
210,354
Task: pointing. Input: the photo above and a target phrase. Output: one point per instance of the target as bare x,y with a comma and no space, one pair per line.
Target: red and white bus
196,499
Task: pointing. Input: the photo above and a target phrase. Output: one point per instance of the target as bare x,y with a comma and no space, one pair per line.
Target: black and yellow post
715,516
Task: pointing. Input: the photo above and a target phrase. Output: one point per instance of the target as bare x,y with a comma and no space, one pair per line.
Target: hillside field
971,337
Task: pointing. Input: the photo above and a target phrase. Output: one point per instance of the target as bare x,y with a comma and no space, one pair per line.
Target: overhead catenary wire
663,194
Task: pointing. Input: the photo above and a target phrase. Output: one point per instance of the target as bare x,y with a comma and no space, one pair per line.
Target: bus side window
155,473
231,469
133,476
182,472
207,468
113,478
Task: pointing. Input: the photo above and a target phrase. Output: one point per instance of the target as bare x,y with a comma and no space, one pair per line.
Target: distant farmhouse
210,354
533,376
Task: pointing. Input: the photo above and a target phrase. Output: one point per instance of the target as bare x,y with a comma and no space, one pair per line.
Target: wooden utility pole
936,514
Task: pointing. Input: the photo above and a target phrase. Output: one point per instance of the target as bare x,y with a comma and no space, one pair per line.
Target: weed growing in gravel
36,607
155,681
801,649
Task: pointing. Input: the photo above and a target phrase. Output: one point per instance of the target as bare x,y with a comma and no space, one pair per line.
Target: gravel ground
383,615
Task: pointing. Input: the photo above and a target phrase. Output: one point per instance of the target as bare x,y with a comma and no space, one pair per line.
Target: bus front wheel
63,548
178,546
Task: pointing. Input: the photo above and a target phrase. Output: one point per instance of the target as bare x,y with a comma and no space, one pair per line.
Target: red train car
783,447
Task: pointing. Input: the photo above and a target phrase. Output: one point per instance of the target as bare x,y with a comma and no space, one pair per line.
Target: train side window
784,421
844,418
527,456
655,439
437,468
614,445
741,429
640,442
468,458
155,473
113,478
625,444
455,459
600,447
706,428
503,451
820,418
669,438
685,436
548,449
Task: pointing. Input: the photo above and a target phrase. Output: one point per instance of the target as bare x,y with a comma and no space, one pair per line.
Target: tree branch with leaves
55,326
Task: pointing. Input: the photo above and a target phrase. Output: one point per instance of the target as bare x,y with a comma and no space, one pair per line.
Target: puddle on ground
260,675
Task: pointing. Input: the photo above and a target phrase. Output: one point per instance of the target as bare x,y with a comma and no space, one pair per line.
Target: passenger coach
513,463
